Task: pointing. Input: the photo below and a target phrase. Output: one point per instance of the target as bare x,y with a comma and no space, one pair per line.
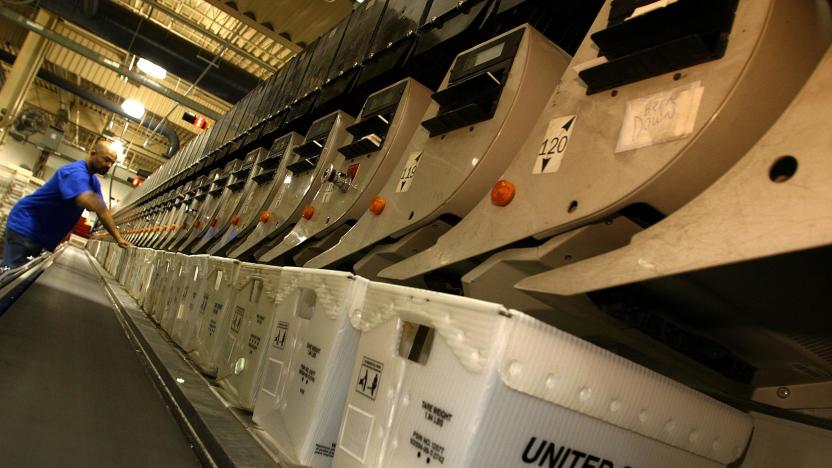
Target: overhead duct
146,39
101,101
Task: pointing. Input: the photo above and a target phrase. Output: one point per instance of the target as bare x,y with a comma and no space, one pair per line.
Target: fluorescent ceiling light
151,69
133,108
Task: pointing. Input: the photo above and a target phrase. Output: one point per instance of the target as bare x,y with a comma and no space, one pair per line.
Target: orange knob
264,217
235,219
308,212
377,205
503,193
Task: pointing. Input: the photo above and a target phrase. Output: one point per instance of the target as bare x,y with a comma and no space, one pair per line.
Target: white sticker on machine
409,172
660,117
327,194
552,149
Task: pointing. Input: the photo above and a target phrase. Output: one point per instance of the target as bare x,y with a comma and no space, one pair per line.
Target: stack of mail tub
212,325
109,250
131,269
193,303
92,247
138,269
256,289
101,254
177,283
119,261
115,259
126,268
155,292
310,355
110,256
146,274
451,381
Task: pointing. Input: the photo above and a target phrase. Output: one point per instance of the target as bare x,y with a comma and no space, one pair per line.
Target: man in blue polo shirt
42,219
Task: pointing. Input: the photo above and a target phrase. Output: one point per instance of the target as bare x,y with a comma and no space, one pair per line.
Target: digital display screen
320,127
488,54
378,101
479,58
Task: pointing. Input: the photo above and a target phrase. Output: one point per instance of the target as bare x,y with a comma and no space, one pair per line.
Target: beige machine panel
218,195
750,254
157,214
165,216
653,143
386,125
267,176
180,207
303,178
447,167
191,217
240,186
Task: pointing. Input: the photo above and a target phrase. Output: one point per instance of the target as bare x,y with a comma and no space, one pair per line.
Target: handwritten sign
660,117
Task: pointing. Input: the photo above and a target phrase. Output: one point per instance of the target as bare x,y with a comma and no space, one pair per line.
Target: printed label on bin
435,414
280,336
427,449
369,378
542,452
237,321
325,450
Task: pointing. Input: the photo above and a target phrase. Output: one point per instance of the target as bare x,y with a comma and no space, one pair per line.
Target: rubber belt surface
72,390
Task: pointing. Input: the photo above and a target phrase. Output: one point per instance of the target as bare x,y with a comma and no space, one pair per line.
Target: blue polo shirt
47,215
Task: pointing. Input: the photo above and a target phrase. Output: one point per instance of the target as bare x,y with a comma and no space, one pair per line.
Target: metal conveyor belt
72,390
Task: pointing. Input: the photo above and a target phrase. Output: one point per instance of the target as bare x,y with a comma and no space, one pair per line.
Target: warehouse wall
26,154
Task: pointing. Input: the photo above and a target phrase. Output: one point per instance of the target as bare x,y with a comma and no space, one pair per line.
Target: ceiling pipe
149,122
23,22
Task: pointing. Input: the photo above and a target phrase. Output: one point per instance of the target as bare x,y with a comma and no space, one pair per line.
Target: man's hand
92,202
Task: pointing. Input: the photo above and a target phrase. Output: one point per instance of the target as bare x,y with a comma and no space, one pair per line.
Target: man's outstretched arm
92,202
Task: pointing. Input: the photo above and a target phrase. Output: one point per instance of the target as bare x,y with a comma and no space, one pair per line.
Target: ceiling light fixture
151,69
133,108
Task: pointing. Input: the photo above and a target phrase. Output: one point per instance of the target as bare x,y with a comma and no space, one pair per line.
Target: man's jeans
17,247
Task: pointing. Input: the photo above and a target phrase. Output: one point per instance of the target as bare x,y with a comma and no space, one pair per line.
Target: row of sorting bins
345,372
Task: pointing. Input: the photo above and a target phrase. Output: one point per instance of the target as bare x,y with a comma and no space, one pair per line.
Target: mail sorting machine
631,152
379,137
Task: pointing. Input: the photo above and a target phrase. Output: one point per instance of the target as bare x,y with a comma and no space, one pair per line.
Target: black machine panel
475,85
376,116
328,48
394,38
679,35
313,145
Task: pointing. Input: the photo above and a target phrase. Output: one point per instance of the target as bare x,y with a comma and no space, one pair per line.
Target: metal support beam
201,30
222,6
16,87
32,26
